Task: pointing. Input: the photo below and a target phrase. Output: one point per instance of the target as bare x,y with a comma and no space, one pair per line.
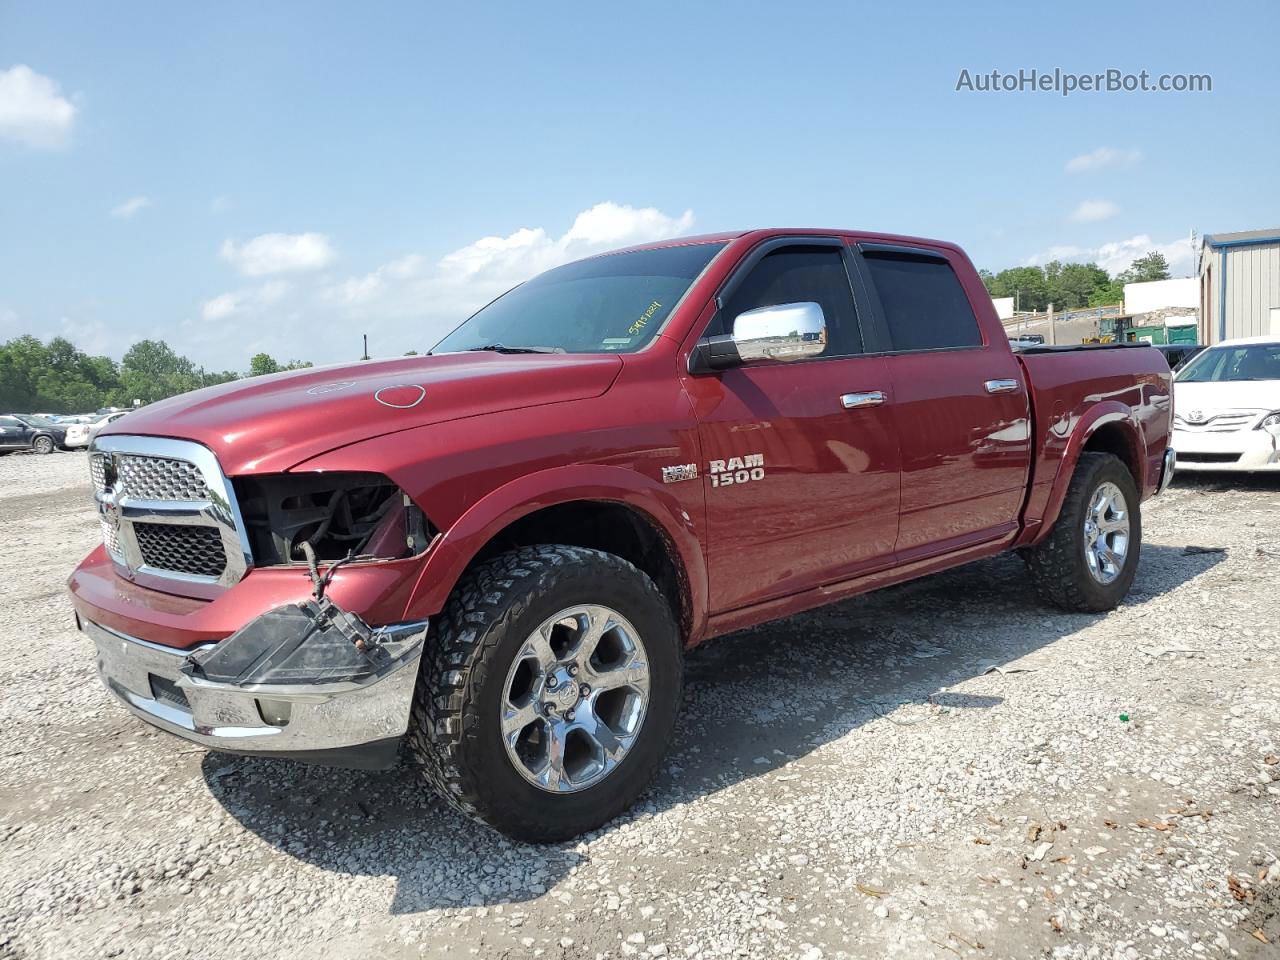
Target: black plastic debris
312,642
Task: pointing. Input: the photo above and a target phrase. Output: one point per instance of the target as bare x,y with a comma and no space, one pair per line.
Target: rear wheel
42,445
1089,559
550,691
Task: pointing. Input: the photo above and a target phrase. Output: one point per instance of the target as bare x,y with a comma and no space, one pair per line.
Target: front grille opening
1207,457
167,691
192,550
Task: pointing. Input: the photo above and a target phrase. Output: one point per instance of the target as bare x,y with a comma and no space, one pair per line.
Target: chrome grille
98,471
1219,423
111,539
181,548
170,520
159,478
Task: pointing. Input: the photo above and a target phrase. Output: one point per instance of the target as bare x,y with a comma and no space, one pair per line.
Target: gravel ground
941,769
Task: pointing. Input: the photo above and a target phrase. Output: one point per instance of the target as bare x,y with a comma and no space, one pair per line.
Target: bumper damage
308,680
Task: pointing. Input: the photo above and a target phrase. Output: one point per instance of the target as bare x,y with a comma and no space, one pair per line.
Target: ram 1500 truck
499,552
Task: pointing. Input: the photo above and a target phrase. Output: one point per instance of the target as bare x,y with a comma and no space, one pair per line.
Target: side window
923,303
8,422
795,275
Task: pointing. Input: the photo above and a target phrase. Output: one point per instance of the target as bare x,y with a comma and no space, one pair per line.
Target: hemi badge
681,471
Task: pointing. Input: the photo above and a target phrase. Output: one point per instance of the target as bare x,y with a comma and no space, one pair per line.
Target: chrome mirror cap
787,331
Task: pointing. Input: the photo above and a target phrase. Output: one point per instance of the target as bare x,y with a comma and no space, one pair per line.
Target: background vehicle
501,550
79,434
26,432
1177,354
1227,407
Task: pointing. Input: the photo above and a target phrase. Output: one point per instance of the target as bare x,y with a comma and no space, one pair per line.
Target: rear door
801,488
960,406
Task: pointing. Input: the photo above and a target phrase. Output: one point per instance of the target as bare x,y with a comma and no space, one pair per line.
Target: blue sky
283,177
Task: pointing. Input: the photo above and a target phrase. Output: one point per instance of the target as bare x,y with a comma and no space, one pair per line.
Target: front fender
494,512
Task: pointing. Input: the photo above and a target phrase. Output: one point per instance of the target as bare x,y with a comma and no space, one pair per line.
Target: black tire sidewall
513,803
1104,469
42,445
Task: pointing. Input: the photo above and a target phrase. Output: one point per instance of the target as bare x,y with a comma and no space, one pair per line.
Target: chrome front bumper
348,723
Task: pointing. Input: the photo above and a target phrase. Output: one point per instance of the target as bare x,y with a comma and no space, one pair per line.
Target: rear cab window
920,298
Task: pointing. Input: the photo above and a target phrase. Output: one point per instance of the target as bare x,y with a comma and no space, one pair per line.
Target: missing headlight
339,514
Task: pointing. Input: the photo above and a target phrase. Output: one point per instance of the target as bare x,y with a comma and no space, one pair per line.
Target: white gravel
850,783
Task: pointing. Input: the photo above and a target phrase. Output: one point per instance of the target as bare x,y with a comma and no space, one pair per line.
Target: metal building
1239,285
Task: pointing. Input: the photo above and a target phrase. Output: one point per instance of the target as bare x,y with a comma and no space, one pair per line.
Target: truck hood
269,424
1213,398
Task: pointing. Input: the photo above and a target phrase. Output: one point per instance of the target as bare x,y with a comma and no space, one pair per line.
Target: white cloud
280,253
529,251
32,108
226,305
1102,158
406,303
1092,210
1117,255
131,206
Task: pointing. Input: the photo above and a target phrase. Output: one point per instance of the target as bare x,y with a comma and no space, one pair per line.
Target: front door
801,488
11,433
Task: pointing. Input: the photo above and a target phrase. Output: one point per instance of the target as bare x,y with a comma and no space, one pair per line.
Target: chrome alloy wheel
1106,533
574,699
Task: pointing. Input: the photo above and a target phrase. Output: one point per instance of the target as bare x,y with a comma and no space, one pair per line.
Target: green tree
1112,292
261,364
55,377
1025,284
151,371
1153,266
1070,285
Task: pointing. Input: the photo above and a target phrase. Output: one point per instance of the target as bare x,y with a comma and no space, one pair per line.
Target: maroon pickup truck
499,552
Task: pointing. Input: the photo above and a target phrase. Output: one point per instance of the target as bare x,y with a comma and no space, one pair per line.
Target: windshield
1256,361
36,421
611,304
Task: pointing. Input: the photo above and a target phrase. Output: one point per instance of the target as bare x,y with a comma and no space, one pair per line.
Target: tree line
57,377
1069,286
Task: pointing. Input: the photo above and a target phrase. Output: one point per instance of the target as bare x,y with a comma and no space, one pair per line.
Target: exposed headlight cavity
364,514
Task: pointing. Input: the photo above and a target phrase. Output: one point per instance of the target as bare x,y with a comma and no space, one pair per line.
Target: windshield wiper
503,348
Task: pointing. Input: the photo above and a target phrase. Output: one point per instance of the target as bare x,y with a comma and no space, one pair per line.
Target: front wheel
1088,561
43,445
549,692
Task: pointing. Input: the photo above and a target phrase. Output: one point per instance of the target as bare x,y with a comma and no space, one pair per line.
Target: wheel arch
1108,427
601,507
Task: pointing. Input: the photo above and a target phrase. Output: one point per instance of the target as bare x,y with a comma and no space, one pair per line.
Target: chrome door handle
1002,386
870,398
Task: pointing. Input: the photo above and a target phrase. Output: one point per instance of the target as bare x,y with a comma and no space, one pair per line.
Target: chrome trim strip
221,512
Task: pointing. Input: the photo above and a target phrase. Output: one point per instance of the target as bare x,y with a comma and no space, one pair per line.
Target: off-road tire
42,444
454,734
1057,564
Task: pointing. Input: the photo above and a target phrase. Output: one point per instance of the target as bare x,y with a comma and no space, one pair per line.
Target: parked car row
43,433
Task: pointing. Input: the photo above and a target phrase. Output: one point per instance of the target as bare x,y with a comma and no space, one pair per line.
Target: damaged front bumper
306,681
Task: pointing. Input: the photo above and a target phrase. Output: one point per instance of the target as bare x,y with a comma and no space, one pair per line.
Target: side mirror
787,331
